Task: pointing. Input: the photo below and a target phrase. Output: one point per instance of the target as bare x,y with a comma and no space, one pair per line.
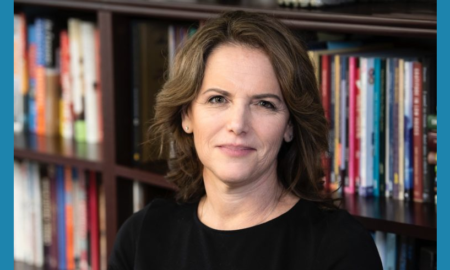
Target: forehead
240,68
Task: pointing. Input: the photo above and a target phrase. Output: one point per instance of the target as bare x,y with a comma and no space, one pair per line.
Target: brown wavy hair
299,168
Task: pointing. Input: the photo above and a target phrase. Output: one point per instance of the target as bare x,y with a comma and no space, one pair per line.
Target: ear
288,132
186,123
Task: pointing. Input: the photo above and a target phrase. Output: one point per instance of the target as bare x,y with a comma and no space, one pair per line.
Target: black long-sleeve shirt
165,236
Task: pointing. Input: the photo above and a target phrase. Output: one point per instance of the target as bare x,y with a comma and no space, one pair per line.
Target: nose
238,119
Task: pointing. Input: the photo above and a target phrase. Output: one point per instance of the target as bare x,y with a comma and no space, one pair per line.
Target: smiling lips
236,150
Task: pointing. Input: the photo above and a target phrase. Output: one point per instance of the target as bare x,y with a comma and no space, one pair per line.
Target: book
87,36
343,164
53,174
417,131
337,143
325,91
380,242
40,67
66,119
432,158
391,251
352,132
408,131
366,158
31,100
428,86
69,218
52,106
93,222
376,77
77,78
20,72
401,129
60,193
382,134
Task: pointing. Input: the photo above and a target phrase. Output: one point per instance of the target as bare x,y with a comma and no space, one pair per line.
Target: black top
165,235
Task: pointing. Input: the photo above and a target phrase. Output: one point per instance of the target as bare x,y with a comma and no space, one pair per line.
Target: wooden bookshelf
412,21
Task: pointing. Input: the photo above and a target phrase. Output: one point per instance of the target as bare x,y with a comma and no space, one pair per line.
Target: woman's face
239,119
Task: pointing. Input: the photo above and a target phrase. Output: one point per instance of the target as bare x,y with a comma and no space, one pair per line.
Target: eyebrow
227,94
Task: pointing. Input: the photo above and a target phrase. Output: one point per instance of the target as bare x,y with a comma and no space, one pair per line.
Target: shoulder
124,250
344,242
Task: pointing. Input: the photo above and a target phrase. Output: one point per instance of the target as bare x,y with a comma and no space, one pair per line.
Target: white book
18,212
303,3
366,123
76,78
28,215
90,79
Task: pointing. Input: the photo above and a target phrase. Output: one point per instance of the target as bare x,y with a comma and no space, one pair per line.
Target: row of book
59,217
377,103
398,252
57,78
312,3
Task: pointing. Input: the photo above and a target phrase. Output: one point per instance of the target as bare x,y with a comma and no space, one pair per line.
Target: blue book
60,194
376,125
31,117
390,92
391,252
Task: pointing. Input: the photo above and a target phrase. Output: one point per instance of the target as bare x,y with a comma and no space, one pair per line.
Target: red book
93,221
325,89
417,132
352,174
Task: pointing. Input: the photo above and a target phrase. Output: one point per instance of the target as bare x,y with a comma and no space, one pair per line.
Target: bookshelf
111,157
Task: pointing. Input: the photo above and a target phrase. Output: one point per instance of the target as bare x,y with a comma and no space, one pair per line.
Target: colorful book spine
401,129
366,167
53,174
93,220
66,122
40,76
376,125
388,130
325,89
337,143
382,140
418,131
350,188
408,112
343,164
62,244
68,204
395,124
32,78
90,80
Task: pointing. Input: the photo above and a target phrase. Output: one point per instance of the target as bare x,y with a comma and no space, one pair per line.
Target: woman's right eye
217,100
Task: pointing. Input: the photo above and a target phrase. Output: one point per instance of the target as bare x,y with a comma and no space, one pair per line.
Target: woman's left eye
266,104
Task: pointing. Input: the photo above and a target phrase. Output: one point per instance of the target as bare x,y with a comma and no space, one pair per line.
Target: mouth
236,150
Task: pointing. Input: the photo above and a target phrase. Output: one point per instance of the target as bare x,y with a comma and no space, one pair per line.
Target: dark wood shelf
144,176
58,151
412,219
390,19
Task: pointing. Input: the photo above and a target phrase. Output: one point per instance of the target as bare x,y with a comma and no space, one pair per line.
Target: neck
233,207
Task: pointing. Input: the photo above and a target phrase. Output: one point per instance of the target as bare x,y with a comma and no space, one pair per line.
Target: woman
243,114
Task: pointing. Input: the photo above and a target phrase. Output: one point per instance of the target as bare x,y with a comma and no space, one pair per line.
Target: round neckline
255,227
